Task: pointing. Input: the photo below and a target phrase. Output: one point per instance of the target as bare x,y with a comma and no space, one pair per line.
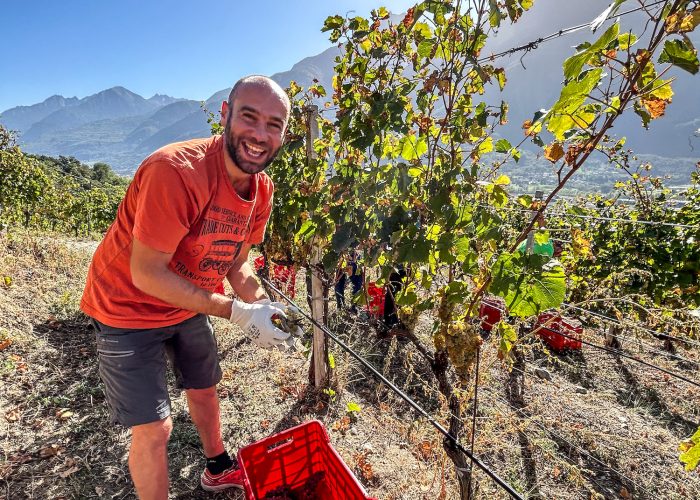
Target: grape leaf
503,146
574,64
690,449
508,336
353,407
528,283
678,53
554,152
568,112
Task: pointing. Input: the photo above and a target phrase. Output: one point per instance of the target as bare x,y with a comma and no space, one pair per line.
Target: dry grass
56,438
57,441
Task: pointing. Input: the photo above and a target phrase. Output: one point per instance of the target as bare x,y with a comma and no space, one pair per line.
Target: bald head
255,120
262,82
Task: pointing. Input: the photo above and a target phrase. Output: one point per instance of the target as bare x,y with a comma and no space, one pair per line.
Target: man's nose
259,133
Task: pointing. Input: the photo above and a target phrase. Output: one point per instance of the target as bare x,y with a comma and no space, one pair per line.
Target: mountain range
120,127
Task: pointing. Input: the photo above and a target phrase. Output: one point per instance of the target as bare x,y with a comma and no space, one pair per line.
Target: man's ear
224,113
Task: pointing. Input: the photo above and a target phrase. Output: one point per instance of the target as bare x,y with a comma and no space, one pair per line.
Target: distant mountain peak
163,99
117,90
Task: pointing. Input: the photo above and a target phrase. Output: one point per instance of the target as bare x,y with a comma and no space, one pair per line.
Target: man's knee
202,396
152,434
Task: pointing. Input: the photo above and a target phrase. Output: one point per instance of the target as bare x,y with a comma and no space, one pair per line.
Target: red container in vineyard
284,277
491,311
573,328
299,463
550,323
376,299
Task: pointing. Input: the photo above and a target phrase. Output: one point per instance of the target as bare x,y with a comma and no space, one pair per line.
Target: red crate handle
280,444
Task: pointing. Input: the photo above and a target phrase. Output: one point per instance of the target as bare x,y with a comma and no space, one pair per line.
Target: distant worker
187,221
391,317
348,270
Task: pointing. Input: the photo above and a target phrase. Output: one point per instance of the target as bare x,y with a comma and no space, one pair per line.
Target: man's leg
196,362
204,410
132,366
148,459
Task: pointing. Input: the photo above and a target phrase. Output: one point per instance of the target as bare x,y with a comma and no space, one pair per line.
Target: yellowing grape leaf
508,336
655,107
532,128
5,343
554,152
690,449
352,407
663,90
501,76
679,23
503,180
580,245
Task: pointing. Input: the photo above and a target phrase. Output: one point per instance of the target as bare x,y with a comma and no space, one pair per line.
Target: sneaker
230,478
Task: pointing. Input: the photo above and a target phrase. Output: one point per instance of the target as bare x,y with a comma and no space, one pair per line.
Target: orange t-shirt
180,201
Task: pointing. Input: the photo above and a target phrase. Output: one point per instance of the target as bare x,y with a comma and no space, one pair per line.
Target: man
187,221
348,269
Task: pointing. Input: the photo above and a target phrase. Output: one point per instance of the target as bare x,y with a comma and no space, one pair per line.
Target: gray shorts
133,366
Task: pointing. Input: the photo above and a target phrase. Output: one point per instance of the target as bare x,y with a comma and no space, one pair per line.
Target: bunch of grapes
462,342
409,316
280,493
289,324
308,491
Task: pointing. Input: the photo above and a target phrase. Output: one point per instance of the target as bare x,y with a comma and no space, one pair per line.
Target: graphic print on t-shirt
220,236
218,256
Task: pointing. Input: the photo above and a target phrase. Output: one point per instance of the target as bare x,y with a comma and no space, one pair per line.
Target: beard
234,147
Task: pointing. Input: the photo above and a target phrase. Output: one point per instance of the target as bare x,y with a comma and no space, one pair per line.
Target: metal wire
621,353
635,325
613,219
535,43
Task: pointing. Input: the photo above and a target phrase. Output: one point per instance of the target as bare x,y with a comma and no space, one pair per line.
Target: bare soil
602,427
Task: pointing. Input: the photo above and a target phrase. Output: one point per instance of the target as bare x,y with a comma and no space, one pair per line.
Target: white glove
256,321
294,341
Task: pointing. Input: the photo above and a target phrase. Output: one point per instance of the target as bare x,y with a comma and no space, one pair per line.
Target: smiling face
255,123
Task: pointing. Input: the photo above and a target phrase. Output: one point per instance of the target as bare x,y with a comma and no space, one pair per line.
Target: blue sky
176,47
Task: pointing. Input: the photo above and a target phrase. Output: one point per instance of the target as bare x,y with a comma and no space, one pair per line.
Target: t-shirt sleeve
263,208
166,207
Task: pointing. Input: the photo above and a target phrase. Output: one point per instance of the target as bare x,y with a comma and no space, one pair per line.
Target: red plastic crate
573,328
376,299
284,277
491,311
289,458
548,326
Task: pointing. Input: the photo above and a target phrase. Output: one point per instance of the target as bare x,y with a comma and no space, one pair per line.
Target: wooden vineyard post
612,336
319,358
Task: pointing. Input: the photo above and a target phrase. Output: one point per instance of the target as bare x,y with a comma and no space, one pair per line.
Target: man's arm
242,278
150,274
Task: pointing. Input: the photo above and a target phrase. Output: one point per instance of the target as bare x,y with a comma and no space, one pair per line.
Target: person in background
349,269
393,287
187,221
